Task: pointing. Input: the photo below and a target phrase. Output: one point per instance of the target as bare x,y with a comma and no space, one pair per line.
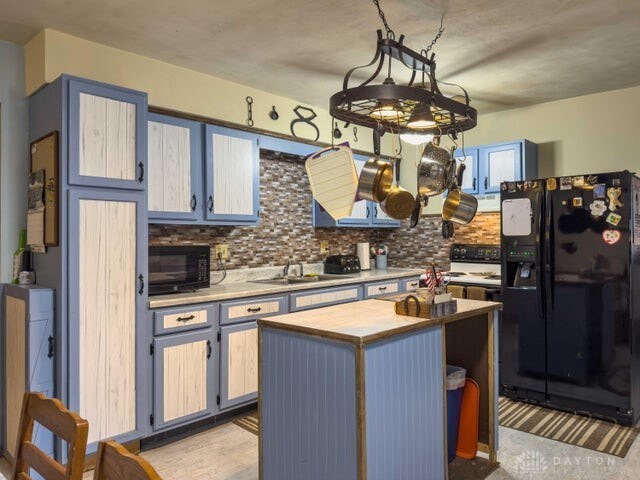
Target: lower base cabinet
184,377
238,364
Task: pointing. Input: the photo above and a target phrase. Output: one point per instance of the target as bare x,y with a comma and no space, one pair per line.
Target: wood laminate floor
229,452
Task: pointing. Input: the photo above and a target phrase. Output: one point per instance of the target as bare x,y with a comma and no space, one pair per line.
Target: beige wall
51,53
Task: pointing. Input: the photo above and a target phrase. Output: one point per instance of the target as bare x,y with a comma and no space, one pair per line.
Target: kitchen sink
324,277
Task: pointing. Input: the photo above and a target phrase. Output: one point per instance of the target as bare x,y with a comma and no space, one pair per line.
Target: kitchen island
357,392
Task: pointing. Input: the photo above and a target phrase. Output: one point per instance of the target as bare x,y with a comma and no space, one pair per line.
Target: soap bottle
18,255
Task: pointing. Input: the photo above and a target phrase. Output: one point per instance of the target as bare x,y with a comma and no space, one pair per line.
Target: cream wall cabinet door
238,364
107,135
232,176
107,272
184,378
174,167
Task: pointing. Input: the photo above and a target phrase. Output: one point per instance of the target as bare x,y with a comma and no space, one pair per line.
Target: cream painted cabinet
174,168
232,169
184,378
107,296
107,135
238,364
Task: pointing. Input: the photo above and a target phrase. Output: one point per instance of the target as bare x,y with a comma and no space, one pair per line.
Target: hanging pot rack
359,104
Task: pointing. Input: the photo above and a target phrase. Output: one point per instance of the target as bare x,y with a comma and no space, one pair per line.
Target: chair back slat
41,463
52,415
114,462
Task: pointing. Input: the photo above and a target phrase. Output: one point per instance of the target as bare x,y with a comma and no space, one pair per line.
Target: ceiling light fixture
415,107
415,138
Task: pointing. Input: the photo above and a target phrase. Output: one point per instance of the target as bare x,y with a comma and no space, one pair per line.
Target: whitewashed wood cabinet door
107,270
175,168
107,135
238,364
232,176
184,378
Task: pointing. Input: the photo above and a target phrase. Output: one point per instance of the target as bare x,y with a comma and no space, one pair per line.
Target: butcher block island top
369,320
357,392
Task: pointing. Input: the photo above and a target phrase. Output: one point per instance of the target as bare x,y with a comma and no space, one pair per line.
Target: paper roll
363,253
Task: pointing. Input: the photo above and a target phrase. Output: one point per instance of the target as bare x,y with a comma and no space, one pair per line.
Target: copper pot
399,203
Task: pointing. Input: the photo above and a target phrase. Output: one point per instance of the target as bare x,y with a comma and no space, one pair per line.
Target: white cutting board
334,180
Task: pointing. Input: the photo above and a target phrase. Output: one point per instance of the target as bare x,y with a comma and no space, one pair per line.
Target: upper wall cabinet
489,165
232,170
107,135
174,168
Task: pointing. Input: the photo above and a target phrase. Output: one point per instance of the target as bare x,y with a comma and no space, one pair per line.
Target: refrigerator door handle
548,255
540,274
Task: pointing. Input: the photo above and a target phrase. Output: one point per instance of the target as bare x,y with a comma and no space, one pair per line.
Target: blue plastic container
455,384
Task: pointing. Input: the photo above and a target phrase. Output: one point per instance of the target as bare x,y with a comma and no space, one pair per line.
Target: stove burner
493,277
455,274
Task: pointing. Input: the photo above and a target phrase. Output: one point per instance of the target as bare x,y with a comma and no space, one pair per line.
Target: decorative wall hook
249,100
301,118
273,114
336,131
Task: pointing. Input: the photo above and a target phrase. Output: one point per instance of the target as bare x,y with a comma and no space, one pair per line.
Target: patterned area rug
566,427
249,423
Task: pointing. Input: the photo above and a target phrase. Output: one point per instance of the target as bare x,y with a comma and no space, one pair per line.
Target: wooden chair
52,415
114,462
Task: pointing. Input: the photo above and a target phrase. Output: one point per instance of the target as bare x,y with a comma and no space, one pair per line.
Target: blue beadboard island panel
308,408
404,405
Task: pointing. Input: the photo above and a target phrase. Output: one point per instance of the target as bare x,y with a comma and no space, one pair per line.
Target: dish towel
456,291
476,293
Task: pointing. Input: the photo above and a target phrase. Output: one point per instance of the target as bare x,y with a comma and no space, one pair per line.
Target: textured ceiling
507,53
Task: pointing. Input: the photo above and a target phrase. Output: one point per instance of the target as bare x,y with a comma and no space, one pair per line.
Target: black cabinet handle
475,181
368,212
194,202
50,352
258,213
254,310
486,182
382,289
209,349
141,177
414,284
375,212
210,203
185,319
141,278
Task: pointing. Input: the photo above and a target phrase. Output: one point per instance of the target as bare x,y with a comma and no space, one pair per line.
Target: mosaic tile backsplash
286,233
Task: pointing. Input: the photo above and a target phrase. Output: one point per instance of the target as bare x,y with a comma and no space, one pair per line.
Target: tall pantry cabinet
99,269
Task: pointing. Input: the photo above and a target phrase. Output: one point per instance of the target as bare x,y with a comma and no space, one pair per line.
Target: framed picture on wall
44,156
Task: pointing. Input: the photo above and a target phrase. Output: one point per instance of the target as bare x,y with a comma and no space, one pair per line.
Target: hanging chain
390,33
436,38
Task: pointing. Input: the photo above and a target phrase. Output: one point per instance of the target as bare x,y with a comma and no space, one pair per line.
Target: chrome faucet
301,269
285,270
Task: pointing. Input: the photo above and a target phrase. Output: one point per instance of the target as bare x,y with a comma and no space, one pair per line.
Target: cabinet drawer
381,288
252,308
325,297
183,319
410,284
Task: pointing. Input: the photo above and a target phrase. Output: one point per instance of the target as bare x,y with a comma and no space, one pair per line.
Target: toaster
341,264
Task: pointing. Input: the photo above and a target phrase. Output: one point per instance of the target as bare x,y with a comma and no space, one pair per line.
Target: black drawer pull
209,349
254,310
185,319
414,284
382,289
194,202
50,352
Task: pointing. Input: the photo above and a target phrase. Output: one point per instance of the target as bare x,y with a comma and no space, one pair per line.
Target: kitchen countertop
368,321
233,290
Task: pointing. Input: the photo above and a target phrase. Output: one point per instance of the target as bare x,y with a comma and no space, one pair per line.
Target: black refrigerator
570,328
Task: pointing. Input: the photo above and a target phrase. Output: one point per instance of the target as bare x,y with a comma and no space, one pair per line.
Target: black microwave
178,268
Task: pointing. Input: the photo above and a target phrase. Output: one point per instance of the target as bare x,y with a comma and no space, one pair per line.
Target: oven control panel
462,252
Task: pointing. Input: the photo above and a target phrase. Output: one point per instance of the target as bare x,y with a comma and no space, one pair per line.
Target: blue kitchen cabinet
175,169
29,347
490,165
107,134
232,176
184,378
238,364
